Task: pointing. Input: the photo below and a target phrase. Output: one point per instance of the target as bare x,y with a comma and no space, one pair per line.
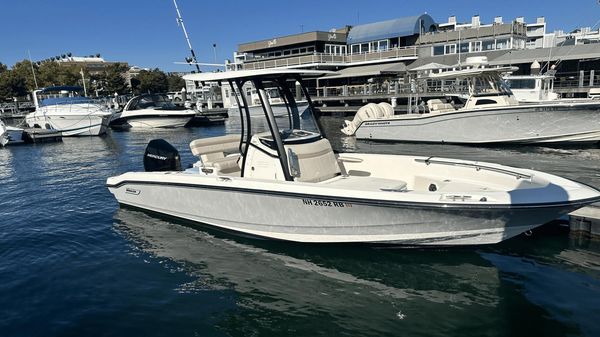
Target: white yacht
491,114
288,184
64,109
152,111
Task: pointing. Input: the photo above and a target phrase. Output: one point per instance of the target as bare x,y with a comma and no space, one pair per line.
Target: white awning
369,70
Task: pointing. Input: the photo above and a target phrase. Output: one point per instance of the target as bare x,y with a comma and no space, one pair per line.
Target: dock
586,220
36,135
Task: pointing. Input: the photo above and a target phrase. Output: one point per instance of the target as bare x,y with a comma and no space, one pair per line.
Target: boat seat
219,153
315,161
437,105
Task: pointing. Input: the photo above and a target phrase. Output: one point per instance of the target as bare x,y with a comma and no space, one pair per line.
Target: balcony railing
322,58
391,89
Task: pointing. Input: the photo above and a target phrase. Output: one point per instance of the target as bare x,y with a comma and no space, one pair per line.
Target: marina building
94,64
379,61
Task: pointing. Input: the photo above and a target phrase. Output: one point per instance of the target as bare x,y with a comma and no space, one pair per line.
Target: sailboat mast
187,38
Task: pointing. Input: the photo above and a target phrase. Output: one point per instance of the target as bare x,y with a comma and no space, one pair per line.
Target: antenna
187,38
32,70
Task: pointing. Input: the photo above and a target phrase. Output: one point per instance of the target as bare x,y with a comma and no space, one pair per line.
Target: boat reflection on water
335,288
378,290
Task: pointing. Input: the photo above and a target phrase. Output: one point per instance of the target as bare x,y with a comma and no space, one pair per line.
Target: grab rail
477,167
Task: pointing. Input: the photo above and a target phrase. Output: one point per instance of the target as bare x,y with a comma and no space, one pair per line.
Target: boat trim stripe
365,202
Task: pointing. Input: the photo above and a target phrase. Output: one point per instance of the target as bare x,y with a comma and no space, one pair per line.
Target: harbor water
72,263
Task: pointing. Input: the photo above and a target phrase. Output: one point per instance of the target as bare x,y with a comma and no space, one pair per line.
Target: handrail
477,167
294,60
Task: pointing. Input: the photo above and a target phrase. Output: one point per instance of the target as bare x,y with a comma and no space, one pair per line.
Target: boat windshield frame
278,135
488,84
163,104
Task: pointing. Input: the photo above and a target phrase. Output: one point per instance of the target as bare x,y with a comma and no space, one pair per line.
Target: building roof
296,39
370,70
400,27
576,52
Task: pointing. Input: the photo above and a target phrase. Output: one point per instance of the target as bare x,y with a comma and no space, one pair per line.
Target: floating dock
209,117
586,220
36,135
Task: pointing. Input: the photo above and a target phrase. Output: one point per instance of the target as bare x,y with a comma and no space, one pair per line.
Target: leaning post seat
213,152
315,161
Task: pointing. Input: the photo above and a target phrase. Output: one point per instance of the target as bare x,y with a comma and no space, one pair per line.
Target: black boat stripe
366,202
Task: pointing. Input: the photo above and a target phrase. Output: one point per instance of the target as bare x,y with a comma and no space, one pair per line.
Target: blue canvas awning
400,27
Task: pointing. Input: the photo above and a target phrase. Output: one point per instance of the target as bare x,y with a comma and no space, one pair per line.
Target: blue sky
145,33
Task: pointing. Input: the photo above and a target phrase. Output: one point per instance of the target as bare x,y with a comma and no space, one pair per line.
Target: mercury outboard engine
161,156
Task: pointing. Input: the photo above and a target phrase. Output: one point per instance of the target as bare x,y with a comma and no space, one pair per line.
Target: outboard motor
161,156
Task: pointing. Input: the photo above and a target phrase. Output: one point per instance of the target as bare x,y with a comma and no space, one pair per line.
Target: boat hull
549,123
72,124
334,219
151,118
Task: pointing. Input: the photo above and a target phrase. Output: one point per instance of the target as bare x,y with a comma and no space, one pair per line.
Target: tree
154,81
114,79
176,83
12,85
22,70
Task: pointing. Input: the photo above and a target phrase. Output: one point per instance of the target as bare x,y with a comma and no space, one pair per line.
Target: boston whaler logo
155,156
331,37
272,42
133,191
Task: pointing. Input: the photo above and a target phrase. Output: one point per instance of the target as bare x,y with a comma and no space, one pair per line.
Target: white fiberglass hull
544,123
151,118
71,124
326,213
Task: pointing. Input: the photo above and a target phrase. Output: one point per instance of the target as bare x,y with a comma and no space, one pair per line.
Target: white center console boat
490,115
288,184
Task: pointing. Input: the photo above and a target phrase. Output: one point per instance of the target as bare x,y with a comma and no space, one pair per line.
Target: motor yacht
152,111
65,109
491,114
287,183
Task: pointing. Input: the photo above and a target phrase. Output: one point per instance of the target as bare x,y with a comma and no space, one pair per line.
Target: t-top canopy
473,72
252,74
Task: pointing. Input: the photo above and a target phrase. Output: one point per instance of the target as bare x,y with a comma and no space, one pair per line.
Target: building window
475,46
327,49
450,49
438,50
502,44
488,45
355,49
364,48
383,45
464,47
310,49
286,52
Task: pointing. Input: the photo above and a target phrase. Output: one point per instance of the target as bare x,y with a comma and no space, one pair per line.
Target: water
73,264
